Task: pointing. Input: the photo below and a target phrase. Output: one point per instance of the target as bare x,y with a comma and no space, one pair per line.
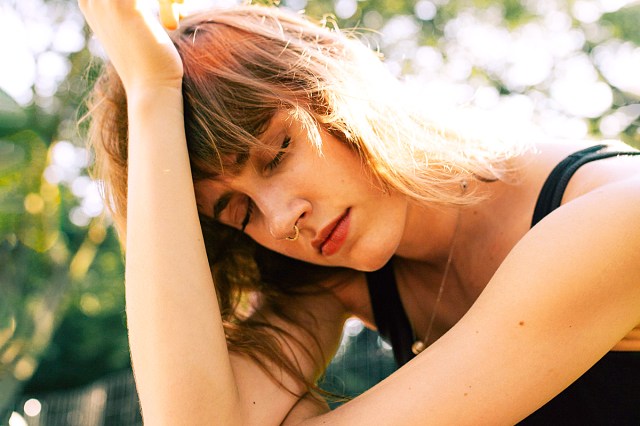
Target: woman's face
343,218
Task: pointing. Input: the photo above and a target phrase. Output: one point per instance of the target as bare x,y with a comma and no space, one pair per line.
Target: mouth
333,235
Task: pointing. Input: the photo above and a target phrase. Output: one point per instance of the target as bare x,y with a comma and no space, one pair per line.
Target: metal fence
109,401
362,360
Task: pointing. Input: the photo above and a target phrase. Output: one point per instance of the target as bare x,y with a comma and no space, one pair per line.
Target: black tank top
607,394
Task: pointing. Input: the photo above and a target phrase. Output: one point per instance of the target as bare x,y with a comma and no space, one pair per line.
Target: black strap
391,320
553,189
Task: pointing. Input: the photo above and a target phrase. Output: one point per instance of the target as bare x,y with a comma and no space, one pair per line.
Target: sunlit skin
525,312
312,190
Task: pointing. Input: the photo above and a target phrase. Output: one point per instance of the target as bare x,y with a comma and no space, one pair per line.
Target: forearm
178,346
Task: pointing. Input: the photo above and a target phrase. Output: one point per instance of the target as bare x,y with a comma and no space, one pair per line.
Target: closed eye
222,203
229,201
247,215
271,165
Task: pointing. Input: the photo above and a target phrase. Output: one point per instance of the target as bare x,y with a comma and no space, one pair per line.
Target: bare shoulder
587,233
568,291
589,244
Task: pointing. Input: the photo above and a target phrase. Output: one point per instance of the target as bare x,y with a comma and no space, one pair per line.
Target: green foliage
12,118
624,24
32,253
28,208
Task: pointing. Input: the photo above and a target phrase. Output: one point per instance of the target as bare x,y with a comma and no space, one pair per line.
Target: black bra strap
553,189
391,320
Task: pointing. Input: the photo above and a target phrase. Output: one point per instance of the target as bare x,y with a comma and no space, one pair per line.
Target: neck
428,229
427,233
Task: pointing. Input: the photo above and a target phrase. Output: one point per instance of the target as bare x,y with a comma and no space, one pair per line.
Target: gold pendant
418,346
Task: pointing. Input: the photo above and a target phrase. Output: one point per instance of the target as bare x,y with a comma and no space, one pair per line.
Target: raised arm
184,373
165,256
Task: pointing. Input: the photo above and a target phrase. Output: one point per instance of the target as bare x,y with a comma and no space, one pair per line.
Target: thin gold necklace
420,345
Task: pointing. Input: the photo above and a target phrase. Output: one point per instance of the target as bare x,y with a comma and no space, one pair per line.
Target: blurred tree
53,261
568,66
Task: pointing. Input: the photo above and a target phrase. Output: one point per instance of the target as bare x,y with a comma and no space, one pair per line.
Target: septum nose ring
297,234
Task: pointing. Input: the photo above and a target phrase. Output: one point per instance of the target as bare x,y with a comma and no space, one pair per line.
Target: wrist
145,90
153,96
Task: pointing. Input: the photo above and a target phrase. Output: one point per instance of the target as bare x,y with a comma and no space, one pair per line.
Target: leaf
12,116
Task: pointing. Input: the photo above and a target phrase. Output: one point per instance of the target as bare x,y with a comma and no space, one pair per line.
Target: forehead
267,139
281,120
209,189
232,164
231,153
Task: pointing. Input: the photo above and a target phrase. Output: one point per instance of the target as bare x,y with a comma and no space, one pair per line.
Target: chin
372,266
371,259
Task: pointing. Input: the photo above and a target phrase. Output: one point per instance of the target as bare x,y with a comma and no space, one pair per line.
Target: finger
169,13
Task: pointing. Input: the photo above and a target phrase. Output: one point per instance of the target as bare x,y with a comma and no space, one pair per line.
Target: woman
278,130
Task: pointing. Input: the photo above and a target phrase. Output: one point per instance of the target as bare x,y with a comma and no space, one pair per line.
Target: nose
282,211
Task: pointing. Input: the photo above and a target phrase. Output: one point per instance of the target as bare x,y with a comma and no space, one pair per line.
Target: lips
333,236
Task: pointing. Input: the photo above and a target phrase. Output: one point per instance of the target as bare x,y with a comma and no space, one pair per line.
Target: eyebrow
241,159
221,204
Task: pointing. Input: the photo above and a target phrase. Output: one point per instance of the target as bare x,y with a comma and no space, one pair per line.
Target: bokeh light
32,407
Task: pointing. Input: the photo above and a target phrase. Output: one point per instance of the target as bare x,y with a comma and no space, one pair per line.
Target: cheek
285,248
292,249
261,235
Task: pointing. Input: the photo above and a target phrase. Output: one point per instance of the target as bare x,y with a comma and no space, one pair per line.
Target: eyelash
270,166
247,215
278,158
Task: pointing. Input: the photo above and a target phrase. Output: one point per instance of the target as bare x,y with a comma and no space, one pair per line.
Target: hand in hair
136,43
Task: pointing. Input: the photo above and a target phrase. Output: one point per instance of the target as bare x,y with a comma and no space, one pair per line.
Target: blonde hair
241,66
